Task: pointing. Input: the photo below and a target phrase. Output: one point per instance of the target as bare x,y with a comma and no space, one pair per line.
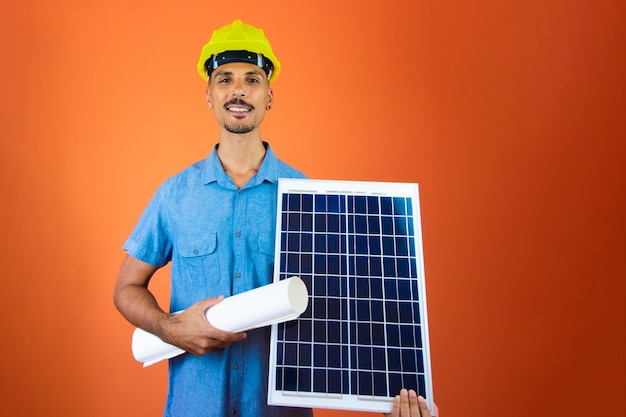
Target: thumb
210,302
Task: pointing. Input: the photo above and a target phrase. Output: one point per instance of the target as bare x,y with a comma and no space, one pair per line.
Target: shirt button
238,275
235,367
238,234
233,411
195,251
240,192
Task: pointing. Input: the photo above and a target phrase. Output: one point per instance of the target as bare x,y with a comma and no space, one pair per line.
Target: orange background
509,114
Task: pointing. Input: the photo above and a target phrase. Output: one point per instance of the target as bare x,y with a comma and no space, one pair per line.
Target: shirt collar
268,171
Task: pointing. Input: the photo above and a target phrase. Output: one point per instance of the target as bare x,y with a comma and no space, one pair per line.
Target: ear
270,99
209,99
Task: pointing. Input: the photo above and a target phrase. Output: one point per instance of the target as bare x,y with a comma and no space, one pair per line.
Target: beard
239,129
236,128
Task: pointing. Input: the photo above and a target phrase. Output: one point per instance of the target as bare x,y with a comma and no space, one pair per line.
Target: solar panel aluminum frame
350,401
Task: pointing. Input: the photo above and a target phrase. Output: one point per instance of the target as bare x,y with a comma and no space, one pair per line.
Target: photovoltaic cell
364,336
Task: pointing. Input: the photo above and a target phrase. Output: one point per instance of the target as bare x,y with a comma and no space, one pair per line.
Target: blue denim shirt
220,240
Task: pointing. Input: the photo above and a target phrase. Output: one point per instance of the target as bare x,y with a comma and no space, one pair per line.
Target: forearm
139,306
188,330
133,298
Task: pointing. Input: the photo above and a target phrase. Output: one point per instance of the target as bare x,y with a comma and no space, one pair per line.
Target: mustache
239,102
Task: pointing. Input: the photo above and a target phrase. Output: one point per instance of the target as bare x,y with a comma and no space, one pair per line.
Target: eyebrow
251,72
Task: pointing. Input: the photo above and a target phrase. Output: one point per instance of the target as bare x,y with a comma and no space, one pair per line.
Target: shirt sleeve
151,241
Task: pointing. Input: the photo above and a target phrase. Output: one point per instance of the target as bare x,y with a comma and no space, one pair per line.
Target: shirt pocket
264,258
266,244
199,266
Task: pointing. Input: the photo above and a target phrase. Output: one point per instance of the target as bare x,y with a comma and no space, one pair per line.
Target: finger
423,407
224,336
405,409
230,337
214,340
414,404
210,302
395,409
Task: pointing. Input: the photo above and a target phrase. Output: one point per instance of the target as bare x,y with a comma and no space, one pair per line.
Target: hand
409,404
191,331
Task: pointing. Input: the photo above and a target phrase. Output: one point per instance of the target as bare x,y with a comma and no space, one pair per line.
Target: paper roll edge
298,294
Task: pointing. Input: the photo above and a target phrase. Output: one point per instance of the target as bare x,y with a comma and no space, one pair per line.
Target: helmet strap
228,57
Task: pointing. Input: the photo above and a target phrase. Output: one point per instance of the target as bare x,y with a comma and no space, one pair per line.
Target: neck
241,158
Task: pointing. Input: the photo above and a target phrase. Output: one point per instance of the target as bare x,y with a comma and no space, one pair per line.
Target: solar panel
364,336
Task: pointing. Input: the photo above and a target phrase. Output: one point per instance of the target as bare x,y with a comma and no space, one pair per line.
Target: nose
239,89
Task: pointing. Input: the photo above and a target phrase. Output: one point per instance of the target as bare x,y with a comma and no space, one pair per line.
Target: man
215,221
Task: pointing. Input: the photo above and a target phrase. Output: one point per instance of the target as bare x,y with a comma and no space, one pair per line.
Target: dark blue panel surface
361,332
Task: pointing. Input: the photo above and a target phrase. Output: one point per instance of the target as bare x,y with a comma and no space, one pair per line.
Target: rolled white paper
150,349
274,303
270,304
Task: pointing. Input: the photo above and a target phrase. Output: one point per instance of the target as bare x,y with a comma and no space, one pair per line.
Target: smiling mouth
238,109
238,106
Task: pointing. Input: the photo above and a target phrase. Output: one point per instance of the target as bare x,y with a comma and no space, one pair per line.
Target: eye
253,80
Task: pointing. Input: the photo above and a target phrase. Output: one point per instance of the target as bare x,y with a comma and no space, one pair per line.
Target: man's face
239,95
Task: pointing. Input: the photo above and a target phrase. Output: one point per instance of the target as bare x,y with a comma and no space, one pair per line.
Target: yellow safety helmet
238,42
